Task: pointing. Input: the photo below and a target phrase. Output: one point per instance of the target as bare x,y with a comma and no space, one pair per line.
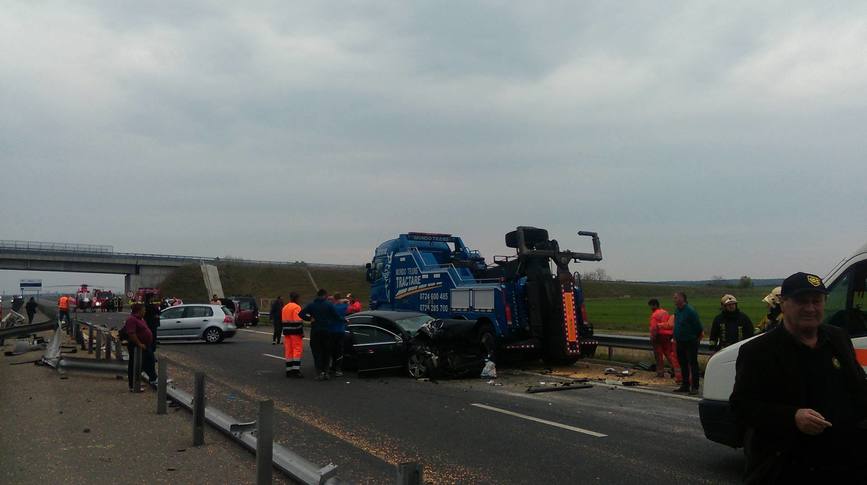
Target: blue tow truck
517,304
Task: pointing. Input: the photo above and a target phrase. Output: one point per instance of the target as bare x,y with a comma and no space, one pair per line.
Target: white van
845,308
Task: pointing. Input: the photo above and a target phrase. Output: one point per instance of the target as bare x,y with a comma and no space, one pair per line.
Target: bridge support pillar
145,277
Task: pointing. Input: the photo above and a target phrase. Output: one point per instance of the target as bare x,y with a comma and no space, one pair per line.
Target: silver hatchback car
211,323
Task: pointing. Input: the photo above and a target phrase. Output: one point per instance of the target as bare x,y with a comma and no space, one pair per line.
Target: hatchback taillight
228,319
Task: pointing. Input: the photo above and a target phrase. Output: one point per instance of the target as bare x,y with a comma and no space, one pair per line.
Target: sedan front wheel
418,361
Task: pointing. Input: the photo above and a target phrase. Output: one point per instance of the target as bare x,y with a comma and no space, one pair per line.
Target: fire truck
517,304
103,300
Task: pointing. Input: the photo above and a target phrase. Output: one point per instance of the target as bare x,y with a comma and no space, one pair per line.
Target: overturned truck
517,304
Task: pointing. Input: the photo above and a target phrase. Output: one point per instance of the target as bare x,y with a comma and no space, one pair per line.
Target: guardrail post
264,442
89,339
610,353
409,474
79,337
119,353
199,410
108,341
161,387
99,346
136,369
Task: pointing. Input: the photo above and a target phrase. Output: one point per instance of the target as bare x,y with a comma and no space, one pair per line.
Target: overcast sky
697,139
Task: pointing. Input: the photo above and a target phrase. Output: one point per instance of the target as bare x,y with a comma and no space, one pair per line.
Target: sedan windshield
412,324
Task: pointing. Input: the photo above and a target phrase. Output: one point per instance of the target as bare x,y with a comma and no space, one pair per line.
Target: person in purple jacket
140,339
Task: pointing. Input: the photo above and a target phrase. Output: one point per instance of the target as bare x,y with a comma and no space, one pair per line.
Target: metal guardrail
639,343
245,434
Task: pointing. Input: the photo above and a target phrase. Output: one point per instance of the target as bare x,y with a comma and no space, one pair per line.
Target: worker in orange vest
661,333
293,335
63,308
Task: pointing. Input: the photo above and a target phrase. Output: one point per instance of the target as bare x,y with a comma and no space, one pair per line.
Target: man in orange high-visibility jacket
293,335
63,308
661,331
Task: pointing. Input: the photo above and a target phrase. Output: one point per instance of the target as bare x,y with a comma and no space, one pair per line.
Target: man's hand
810,422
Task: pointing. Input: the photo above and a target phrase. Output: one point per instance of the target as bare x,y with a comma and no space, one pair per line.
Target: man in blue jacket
687,335
323,314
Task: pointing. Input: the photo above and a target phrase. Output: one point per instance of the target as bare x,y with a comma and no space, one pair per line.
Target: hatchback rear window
226,311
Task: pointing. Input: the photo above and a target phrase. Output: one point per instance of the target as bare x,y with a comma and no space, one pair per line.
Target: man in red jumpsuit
661,333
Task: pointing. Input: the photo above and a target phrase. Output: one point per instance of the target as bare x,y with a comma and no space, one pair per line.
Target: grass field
628,313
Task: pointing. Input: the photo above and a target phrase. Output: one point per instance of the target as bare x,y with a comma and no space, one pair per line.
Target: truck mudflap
719,423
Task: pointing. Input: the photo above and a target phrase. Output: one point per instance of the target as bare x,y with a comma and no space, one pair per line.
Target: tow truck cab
844,308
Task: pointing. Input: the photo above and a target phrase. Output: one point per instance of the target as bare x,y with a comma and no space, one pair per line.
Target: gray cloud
698,139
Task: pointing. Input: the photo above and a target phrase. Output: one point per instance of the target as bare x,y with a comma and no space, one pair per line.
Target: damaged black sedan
418,344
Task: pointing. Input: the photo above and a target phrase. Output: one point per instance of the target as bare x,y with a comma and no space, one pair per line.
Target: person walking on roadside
30,307
661,334
293,335
322,313
63,309
276,320
140,339
731,325
215,300
687,335
802,396
337,334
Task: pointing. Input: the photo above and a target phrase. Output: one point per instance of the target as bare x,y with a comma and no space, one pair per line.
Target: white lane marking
263,333
543,421
274,357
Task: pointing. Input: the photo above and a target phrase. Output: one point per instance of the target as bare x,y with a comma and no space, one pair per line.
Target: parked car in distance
418,344
211,323
244,309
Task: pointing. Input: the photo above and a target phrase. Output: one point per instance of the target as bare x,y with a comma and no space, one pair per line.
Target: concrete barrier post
199,410
264,442
161,387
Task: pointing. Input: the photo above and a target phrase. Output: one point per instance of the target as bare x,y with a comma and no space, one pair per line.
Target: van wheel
213,335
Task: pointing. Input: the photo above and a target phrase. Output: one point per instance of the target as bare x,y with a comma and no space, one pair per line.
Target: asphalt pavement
462,431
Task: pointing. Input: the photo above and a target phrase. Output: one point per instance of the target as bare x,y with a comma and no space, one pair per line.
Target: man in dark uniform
802,396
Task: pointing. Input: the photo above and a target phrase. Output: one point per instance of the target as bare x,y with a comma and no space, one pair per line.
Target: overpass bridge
139,270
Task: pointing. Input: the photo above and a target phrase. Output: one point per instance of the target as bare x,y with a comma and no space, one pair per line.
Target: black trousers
335,341
147,363
687,354
278,329
321,348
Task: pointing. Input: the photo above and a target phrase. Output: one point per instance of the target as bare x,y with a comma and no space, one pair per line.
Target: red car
244,308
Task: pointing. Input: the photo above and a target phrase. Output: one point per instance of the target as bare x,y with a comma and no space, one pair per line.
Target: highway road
462,431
